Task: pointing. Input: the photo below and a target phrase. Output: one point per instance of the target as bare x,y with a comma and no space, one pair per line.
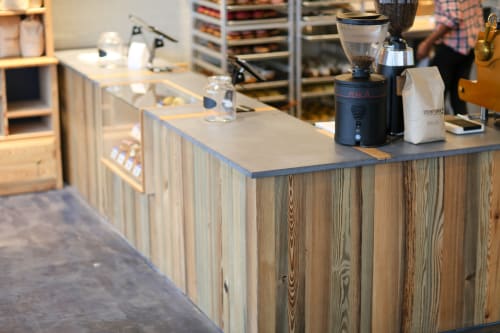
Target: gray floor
63,269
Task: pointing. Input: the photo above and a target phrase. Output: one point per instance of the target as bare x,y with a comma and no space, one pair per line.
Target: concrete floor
63,269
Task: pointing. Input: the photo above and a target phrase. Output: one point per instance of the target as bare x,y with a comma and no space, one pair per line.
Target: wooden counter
269,226
308,242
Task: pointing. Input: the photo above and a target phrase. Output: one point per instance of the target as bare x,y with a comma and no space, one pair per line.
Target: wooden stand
29,117
484,90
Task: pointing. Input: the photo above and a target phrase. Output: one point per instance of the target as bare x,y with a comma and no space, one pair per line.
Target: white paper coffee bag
423,105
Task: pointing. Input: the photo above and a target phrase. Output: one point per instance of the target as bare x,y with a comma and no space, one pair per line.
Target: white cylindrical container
31,37
15,4
219,99
36,3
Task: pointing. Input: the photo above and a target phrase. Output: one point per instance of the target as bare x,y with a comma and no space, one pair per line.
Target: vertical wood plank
266,256
367,208
482,163
319,233
129,207
252,323
452,262
55,123
388,248
208,234
157,233
345,249
298,199
233,230
189,222
493,258
424,239
118,199
174,221
92,159
281,230
141,223
4,121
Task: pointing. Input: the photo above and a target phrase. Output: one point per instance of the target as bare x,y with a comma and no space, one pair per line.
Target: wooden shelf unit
29,115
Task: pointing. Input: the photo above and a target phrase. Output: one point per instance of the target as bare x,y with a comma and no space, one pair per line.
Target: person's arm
424,48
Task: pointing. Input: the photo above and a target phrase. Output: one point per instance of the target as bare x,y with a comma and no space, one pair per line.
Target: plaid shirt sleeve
464,17
447,13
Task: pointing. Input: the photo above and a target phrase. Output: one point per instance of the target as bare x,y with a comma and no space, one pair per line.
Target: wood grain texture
4,125
157,231
367,186
234,273
482,191
493,258
388,248
208,234
424,239
319,234
267,239
295,253
189,221
174,210
452,258
394,247
252,286
344,292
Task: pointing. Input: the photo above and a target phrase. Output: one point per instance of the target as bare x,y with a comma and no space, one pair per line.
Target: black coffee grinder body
360,97
395,57
360,110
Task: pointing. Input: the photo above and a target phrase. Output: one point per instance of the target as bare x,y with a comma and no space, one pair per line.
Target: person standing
458,23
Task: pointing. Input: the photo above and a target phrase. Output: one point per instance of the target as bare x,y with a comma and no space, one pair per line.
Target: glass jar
219,99
110,48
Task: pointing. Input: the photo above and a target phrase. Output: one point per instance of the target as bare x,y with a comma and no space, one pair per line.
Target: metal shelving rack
211,48
317,38
299,21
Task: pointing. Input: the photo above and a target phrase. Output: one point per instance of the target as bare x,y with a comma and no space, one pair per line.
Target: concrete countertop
271,143
264,144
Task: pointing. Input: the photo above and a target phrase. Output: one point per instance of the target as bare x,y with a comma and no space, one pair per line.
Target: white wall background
78,23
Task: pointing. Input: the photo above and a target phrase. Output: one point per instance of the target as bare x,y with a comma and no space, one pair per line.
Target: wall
77,24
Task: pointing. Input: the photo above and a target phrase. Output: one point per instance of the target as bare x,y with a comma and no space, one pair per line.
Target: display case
259,32
123,147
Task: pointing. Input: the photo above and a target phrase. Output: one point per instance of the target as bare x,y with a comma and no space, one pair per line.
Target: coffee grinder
360,96
396,56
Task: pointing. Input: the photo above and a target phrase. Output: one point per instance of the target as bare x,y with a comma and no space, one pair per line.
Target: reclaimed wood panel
482,192
234,274
395,247
208,234
493,258
174,221
453,267
25,162
154,158
252,287
189,222
388,248
424,185
368,187
266,240
346,250
319,234
79,135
